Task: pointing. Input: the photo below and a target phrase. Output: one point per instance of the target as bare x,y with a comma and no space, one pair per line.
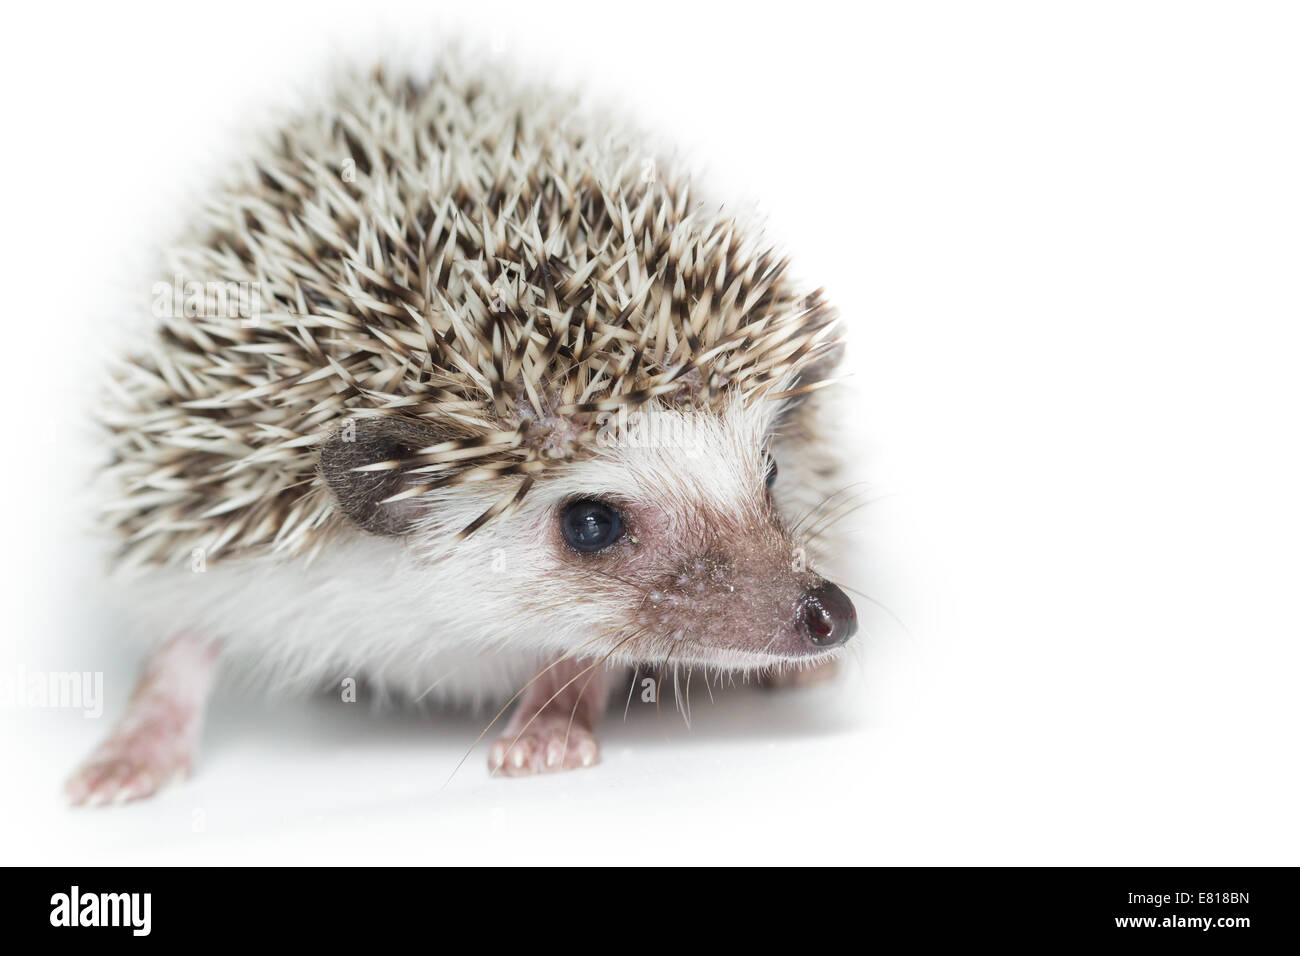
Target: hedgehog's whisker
825,502
631,687
813,535
841,510
884,607
574,713
663,667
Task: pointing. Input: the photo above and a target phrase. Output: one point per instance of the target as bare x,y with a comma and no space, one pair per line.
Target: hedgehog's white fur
500,271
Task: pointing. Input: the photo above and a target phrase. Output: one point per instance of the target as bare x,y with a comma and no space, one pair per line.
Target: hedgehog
454,392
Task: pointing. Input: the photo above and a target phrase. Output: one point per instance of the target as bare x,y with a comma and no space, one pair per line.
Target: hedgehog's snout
826,616
748,600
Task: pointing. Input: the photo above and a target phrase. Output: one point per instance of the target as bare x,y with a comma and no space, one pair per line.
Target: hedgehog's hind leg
551,728
154,742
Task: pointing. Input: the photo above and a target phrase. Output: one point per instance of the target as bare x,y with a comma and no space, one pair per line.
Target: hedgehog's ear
361,494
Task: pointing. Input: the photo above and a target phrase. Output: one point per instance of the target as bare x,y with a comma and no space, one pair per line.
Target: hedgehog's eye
771,473
590,525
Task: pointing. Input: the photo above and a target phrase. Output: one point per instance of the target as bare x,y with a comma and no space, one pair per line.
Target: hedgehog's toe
552,743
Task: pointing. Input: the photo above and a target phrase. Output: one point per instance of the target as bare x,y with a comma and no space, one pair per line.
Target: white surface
1066,241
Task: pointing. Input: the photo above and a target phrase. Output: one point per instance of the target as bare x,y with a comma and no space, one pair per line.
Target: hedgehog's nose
827,616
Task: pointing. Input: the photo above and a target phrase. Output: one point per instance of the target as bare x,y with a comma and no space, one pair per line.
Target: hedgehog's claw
550,744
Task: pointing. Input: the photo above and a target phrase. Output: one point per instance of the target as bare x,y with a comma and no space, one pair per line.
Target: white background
1066,239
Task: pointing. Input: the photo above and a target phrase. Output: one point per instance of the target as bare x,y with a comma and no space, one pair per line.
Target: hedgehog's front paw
799,676
550,743
551,729
129,767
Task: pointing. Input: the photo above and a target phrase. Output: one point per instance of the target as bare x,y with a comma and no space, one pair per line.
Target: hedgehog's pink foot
154,742
551,728
799,676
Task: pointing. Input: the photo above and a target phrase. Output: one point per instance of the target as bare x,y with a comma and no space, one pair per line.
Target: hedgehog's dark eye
590,525
771,473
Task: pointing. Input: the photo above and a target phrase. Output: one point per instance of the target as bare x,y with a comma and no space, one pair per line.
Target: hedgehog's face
668,541
673,533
